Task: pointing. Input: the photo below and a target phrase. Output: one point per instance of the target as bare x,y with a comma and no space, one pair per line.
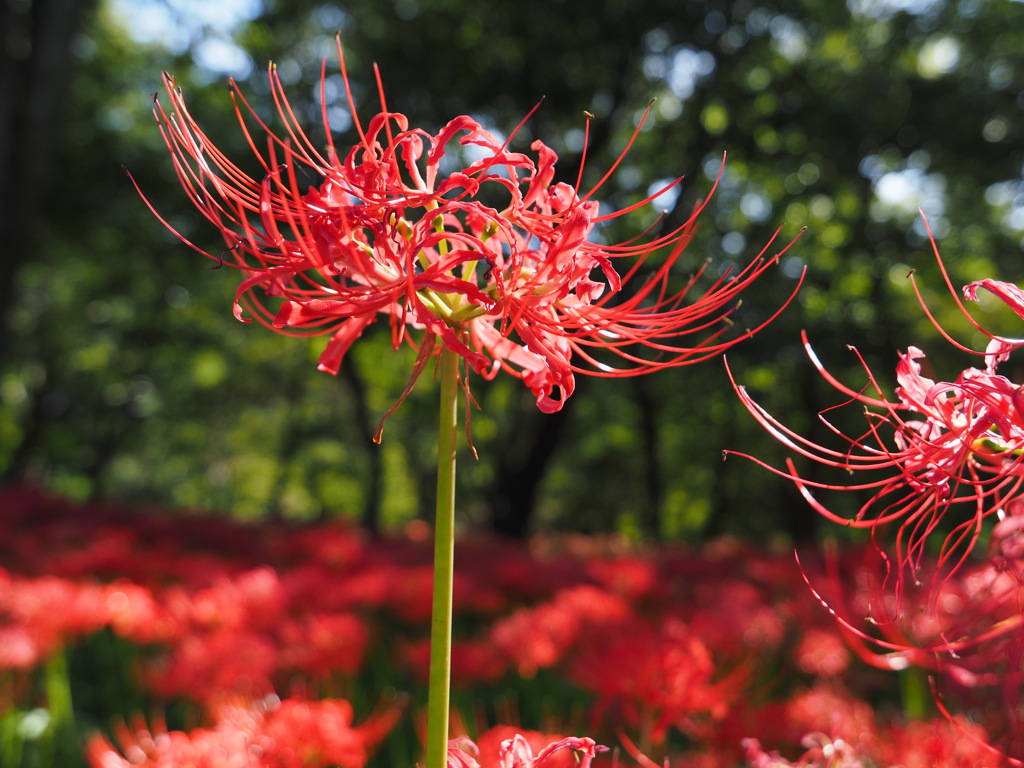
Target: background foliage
123,372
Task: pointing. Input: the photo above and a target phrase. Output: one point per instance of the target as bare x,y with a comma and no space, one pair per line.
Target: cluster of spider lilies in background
284,647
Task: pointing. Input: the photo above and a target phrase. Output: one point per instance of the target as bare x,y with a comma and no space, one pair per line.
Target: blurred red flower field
141,637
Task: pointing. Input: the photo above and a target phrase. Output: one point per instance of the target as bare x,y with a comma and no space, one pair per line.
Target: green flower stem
914,692
439,694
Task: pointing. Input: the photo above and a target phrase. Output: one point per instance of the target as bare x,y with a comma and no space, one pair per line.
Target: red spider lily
522,285
269,734
39,615
916,744
540,637
823,653
822,752
505,746
940,459
950,742
517,751
655,677
942,466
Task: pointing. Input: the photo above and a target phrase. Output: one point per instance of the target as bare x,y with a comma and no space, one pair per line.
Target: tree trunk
35,62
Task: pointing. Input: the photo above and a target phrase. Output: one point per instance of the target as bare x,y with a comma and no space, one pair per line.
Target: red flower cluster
664,677
270,734
496,259
517,751
37,615
703,649
922,744
539,637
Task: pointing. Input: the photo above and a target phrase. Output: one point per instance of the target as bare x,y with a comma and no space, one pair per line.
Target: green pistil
451,307
466,312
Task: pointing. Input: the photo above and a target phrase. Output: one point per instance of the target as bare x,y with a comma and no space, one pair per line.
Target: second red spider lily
493,260
937,463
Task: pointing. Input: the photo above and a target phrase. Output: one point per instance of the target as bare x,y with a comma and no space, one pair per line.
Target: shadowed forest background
123,373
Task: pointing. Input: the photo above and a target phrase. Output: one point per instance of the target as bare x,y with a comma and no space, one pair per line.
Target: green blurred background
124,374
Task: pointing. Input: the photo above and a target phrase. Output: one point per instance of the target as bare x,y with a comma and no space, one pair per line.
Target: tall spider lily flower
940,463
495,261
491,267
